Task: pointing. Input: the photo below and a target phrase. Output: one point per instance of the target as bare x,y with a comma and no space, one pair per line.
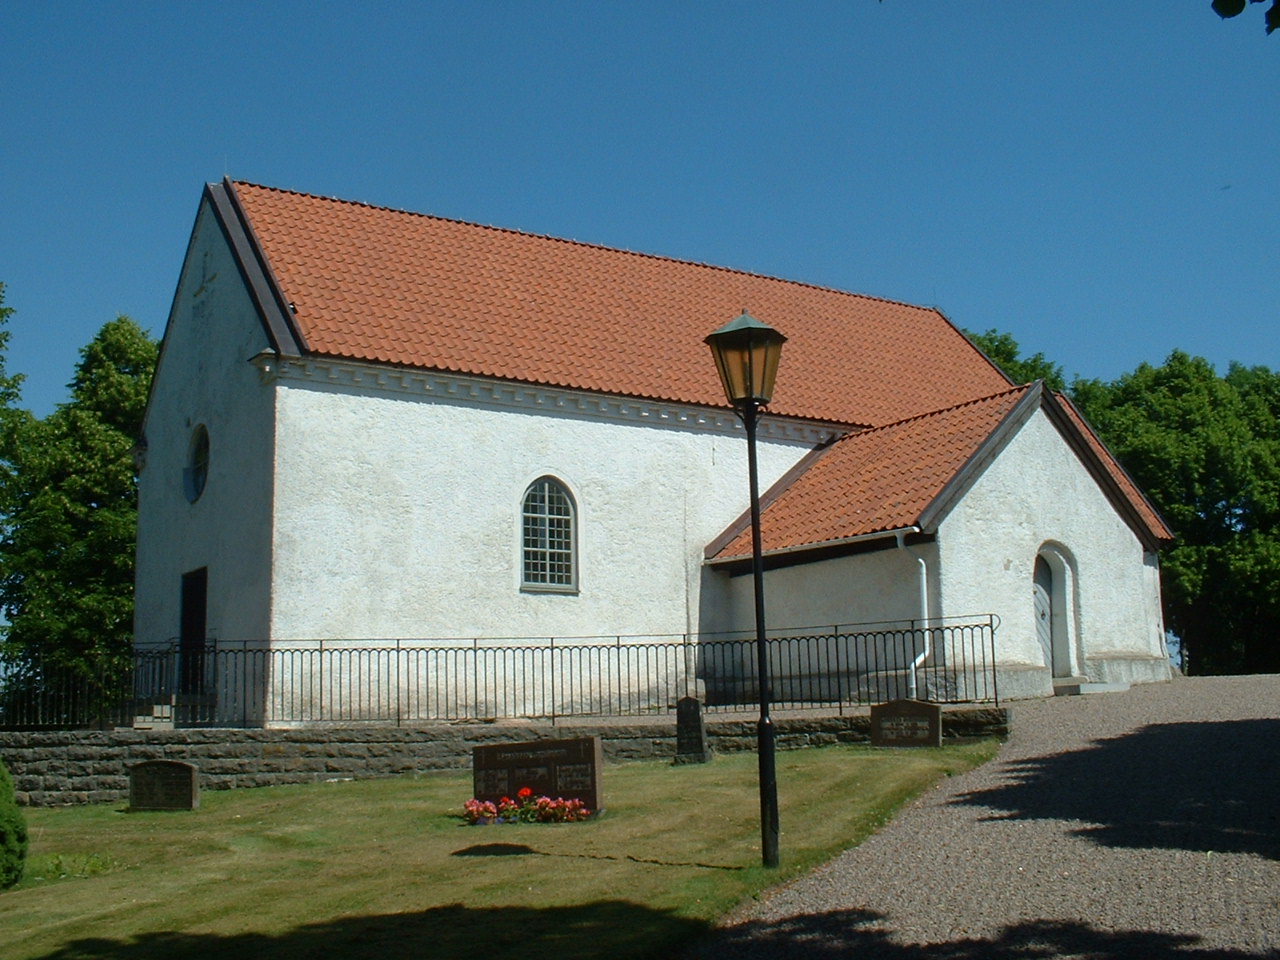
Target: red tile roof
387,286
896,477
875,481
370,283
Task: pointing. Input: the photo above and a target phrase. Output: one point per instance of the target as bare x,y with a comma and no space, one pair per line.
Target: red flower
525,793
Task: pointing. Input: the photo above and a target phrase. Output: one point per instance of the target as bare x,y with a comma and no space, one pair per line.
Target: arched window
549,559
196,472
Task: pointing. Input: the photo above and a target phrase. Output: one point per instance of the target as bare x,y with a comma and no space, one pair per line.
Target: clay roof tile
877,480
404,288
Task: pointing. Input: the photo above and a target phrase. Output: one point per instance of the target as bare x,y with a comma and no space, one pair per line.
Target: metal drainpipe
923,582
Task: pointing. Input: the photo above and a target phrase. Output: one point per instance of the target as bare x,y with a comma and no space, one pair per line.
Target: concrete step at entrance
1079,686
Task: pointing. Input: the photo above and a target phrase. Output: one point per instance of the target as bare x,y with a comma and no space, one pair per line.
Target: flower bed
525,808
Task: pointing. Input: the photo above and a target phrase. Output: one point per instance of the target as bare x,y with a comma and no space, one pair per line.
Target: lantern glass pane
747,354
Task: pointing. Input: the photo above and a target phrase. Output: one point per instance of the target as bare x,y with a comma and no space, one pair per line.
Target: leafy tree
12,419
1233,8
1206,450
12,423
70,498
1002,350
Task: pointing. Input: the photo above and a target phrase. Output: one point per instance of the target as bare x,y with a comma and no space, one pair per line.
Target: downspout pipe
922,580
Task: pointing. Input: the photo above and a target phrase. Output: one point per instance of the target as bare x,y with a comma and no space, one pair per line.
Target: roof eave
1153,539
272,305
827,549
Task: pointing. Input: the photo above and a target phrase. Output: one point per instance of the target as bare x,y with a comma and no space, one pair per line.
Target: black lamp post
747,353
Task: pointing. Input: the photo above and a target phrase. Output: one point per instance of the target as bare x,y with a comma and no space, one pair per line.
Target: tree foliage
1206,449
1002,350
1233,8
70,505
12,419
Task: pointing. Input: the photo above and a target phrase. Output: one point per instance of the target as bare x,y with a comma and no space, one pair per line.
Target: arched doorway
1051,599
1042,598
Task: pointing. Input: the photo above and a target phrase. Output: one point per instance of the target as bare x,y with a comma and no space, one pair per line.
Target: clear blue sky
1096,178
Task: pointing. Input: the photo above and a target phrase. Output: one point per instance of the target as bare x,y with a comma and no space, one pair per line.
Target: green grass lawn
386,869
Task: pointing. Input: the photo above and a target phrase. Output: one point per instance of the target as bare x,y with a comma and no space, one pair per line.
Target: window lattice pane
548,535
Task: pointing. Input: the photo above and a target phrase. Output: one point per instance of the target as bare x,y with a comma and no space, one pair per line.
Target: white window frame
548,537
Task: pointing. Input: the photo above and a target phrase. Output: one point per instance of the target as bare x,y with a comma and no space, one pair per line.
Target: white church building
373,430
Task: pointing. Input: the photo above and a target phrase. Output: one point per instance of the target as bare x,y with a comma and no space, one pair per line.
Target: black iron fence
35,695
402,681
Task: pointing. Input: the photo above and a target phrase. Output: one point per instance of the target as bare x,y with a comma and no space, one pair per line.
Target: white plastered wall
849,625
1037,497
398,516
862,588
205,377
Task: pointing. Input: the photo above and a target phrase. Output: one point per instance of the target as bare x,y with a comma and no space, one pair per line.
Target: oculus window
196,472
549,538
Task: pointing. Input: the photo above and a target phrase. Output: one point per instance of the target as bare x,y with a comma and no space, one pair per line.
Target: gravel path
1143,824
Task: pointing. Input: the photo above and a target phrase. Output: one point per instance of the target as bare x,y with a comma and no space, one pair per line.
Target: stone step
152,723
1078,686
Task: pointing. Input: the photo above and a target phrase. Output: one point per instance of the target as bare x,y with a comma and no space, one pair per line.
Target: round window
197,470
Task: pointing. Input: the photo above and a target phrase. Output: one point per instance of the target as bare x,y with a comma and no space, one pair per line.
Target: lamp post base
768,792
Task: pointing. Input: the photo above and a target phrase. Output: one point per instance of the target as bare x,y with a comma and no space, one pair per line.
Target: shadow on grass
606,928
626,931
860,935
521,850
1178,786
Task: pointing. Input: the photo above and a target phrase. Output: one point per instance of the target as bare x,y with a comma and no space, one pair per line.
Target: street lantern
747,352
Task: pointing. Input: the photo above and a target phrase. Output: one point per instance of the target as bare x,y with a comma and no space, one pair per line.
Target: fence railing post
552,671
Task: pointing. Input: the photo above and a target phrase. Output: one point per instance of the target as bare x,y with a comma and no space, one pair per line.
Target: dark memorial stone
559,769
906,723
691,732
164,785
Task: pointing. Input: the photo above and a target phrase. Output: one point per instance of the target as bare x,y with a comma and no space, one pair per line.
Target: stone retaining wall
91,766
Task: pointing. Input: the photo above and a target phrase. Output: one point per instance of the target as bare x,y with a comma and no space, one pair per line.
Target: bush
13,832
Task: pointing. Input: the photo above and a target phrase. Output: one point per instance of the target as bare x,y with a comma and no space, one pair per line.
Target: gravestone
559,769
691,732
164,785
906,723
